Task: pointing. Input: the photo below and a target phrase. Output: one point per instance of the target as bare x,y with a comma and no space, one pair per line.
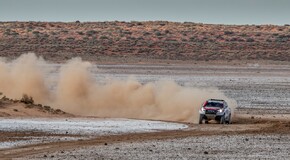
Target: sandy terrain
261,128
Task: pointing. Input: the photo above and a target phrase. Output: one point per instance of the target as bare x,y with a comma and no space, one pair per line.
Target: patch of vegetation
250,40
158,33
104,37
27,99
91,33
228,32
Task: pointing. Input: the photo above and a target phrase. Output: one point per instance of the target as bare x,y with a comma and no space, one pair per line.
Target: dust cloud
78,92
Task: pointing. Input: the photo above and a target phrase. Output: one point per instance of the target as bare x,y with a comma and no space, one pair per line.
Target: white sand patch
86,126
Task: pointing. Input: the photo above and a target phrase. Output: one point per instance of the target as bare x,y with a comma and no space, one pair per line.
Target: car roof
216,100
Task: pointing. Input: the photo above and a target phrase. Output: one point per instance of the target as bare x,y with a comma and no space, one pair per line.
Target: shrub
36,32
91,32
146,33
193,38
127,32
64,31
80,33
250,40
47,108
228,32
27,99
166,31
258,35
104,37
158,33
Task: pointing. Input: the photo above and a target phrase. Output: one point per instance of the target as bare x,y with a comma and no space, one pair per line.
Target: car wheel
229,120
222,120
200,119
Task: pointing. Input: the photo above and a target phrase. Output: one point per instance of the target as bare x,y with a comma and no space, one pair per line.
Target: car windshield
215,104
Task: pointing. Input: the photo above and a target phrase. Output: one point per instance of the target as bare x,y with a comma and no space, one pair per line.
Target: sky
200,11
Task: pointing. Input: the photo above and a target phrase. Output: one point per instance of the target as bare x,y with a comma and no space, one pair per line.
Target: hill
96,41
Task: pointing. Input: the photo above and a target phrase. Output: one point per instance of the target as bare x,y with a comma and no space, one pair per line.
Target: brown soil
16,108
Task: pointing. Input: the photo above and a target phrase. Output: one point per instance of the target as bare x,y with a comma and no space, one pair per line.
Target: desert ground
260,128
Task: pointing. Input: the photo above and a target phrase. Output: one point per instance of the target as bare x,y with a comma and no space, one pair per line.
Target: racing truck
215,109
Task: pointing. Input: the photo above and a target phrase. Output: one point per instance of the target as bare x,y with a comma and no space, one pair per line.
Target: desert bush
146,33
70,39
139,23
47,108
243,35
283,38
228,32
35,32
234,39
193,38
166,31
53,33
127,32
258,35
158,33
10,32
58,110
80,33
250,40
268,40
64,31
27,99
91,32
104,37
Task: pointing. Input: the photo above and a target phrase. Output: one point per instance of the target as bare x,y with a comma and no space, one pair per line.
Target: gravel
204,147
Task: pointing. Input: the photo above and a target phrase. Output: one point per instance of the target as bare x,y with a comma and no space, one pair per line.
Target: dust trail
79,93
24,76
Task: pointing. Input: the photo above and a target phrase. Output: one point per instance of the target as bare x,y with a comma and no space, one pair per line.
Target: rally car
215,109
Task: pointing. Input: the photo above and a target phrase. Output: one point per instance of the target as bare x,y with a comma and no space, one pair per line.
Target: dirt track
248,127
261,128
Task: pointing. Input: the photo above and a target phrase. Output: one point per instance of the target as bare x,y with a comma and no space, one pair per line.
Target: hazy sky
204,11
